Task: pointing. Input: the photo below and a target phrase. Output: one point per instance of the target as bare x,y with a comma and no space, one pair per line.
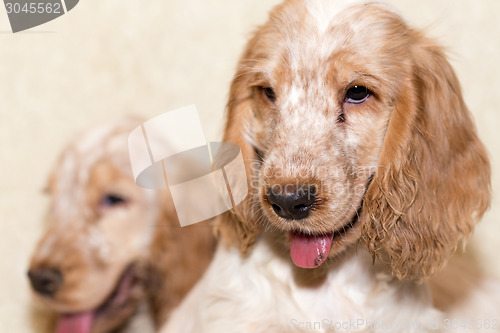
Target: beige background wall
107,58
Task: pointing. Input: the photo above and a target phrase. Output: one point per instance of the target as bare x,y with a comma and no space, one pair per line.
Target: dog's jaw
121,303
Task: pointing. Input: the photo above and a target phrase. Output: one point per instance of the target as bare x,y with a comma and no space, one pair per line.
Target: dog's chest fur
264,293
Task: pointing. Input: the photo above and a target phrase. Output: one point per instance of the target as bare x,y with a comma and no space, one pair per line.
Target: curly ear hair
240,227
433,181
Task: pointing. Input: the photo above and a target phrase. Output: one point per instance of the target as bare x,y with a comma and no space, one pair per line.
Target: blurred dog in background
111,245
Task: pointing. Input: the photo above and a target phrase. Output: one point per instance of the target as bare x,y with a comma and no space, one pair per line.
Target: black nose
292,202
46,281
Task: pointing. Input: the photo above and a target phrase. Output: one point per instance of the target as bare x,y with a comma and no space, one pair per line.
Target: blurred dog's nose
295,204
46,281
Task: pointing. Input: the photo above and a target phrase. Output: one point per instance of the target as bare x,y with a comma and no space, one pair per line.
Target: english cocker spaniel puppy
365,172
111,245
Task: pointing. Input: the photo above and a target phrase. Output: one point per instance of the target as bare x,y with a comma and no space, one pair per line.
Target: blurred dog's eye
112,200
357,94
269,92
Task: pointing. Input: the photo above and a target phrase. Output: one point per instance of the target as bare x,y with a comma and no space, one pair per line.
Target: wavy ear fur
239,227
433,181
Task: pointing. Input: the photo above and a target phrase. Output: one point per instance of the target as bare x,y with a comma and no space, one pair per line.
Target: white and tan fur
402,178
96,243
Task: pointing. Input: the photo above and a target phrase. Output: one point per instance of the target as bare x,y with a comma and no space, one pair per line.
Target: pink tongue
75,323
309,251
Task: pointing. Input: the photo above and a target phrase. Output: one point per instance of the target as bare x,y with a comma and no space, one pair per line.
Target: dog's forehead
303,34
324,13
107,142
322,16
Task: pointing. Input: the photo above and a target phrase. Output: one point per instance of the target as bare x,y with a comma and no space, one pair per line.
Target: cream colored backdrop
112,57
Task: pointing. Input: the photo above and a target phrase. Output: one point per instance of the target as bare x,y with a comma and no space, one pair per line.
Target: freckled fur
92,245
414,136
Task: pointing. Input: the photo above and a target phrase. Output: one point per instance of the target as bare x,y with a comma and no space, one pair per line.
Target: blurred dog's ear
48,188
172,272
433,181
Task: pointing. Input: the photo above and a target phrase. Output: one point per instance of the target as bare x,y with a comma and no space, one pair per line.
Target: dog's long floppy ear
240,227
433,180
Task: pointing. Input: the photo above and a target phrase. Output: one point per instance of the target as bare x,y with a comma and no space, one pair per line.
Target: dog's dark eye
269,92
357,94
112,200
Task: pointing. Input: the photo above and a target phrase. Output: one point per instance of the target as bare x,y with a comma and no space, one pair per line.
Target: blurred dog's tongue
309,251
75,323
